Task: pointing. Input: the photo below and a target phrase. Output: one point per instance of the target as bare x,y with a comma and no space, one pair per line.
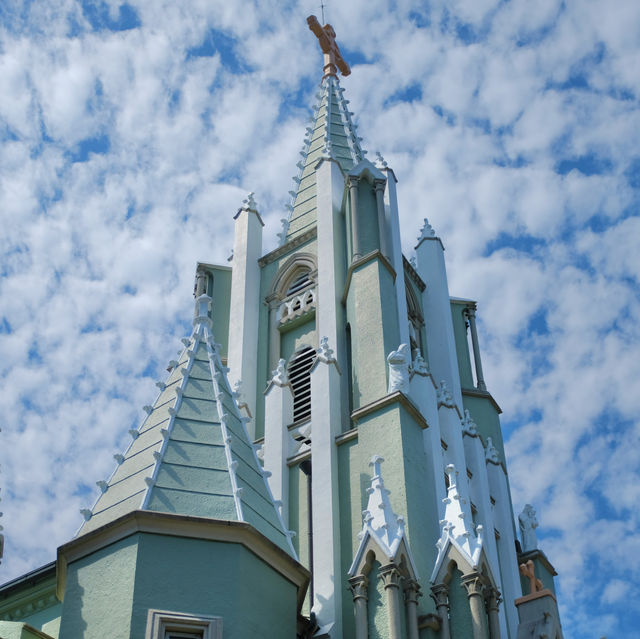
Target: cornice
388,400
413,274
474,392
369,257
144,521
289,246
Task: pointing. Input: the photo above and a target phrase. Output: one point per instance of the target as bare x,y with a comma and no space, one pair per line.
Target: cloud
132,136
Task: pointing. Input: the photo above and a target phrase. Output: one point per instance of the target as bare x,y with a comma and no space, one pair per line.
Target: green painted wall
110,592
99,593
393,433
377,609
371,312
220,300
214,578
299,519
367,218
460,620
299,336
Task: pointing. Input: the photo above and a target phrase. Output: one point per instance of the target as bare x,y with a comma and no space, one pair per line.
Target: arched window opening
416,322
299,370
300,281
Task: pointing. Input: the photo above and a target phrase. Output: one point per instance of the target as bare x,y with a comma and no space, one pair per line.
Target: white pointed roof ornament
457,527
427,230
380,523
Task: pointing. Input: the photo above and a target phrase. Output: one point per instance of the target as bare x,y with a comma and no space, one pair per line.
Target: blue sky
132,131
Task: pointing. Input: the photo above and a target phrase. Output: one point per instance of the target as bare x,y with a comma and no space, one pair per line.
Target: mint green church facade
324,458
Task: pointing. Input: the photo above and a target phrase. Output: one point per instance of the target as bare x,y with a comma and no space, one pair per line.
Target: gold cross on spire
333,59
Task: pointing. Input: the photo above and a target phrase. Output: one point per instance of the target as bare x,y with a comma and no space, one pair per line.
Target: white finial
468,425
419,365
528,523
427,230
325,353
399,369
380,161
282,236
249,203
491,453
376,460
280,374
445,398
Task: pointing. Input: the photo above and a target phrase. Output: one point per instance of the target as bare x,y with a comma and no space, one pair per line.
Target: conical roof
192,454
331,133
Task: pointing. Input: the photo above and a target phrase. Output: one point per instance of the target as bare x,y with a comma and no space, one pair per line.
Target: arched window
299,370
416,322
300,281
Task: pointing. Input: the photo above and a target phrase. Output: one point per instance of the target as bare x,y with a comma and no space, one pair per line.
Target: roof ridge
207,480
332,135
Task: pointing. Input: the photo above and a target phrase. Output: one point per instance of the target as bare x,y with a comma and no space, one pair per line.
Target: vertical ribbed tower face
331,133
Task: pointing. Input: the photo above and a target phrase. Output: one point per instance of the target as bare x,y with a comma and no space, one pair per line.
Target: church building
324,458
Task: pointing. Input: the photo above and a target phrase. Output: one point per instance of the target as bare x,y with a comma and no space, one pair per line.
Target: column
326,425
471,316
382,226
493,602
390,577
394,247
355,236
358,586
440,595
278,414
475,593
245,303
436,305
411,594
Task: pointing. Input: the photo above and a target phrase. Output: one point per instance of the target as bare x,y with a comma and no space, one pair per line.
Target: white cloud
98,256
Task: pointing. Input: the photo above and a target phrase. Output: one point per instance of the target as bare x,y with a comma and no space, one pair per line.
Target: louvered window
300,378
300,281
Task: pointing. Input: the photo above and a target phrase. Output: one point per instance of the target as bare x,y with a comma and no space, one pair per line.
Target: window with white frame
163,624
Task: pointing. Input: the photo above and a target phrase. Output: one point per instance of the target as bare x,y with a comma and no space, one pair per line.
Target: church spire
331,134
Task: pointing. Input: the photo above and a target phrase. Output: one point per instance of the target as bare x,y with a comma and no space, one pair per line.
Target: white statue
399,362
528,524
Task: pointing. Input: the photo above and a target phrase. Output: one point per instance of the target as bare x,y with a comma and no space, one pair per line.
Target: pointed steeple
331,134
192,454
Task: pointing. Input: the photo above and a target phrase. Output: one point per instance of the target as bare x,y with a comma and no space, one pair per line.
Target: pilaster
245,303
440,596
437,313
511,587
393,228
278,414
326,422
358,586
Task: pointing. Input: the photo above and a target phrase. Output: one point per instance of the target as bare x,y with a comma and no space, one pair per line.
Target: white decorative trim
468,425
445,398
162,622
492,454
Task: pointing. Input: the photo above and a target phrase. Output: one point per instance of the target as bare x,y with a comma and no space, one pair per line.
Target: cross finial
333,59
